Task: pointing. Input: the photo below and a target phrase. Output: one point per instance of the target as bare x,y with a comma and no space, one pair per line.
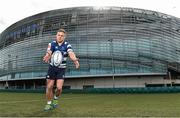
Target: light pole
112,59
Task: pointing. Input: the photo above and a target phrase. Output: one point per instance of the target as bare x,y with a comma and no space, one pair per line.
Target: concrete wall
104,82
108,82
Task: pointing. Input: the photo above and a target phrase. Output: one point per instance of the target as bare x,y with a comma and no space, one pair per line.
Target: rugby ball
56,58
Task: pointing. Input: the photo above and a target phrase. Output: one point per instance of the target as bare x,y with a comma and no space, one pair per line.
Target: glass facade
107,40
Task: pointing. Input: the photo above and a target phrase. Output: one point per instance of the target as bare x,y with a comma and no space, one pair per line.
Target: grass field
91,105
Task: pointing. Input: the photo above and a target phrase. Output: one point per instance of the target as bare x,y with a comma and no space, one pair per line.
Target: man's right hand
46,58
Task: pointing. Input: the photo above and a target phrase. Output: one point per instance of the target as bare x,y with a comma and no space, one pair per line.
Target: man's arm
74,59
48,53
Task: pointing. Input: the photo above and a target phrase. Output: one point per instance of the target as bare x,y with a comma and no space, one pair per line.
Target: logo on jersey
56,58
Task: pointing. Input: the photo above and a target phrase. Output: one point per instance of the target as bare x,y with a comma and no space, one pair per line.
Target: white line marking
22,101
26,101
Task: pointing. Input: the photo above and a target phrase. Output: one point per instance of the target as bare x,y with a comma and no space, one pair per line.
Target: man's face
60,36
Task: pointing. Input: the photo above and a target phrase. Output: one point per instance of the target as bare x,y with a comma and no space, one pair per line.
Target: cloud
24,8
2,21
3,24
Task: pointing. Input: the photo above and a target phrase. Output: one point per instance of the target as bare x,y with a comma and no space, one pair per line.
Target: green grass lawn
91,105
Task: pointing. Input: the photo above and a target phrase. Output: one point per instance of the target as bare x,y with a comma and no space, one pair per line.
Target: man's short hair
62,30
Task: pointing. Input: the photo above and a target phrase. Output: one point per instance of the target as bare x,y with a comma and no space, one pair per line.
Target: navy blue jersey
64,48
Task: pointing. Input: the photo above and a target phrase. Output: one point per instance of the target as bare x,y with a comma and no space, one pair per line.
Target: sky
12,11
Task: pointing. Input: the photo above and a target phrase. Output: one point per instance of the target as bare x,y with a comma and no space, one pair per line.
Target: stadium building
117,47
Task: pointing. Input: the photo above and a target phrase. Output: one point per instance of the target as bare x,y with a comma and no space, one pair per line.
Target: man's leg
59,84
49,89
49,93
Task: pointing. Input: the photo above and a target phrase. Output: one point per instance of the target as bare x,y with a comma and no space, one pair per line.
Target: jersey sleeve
50,47
69,47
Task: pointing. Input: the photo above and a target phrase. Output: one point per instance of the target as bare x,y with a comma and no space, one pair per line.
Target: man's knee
49,86
59,88
59,85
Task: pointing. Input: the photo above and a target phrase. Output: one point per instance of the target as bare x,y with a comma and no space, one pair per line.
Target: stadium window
28,28
26,75
23,32
33,29
12,75
18,33
55,26
17,75
4,77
